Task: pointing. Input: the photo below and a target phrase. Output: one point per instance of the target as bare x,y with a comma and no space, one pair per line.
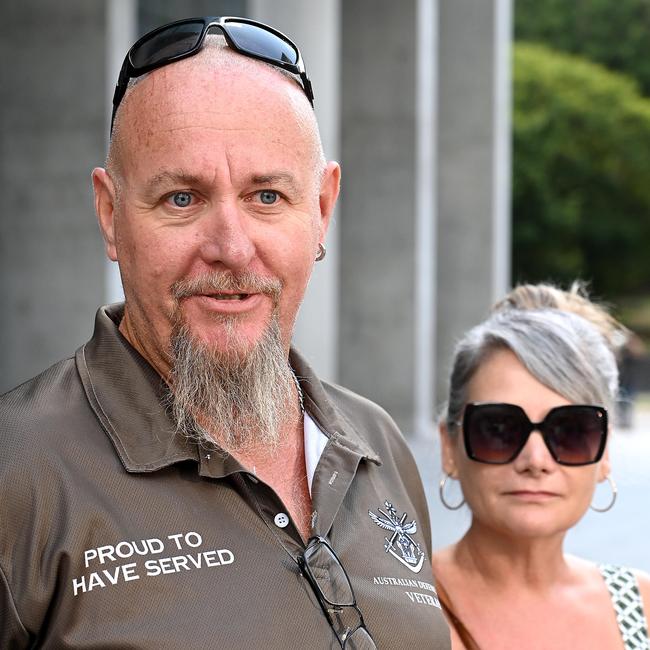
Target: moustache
245,282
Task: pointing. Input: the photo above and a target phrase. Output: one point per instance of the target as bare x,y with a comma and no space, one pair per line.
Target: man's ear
447,450
105,209
329,192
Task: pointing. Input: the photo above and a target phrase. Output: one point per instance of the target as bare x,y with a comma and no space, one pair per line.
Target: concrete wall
51,135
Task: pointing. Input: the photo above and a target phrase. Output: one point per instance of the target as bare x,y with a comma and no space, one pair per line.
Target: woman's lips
532,495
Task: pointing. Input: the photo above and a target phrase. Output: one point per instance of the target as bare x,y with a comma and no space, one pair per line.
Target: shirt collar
127,396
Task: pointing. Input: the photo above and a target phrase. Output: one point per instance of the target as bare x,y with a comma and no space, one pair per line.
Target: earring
441,489
610,505
321,252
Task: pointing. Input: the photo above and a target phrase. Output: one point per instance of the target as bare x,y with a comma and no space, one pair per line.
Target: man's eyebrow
172,178
283,178
180,177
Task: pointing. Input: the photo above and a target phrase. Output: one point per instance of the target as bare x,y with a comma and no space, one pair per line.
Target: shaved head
226,68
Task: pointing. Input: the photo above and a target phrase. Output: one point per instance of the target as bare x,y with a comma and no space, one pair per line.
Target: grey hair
561,350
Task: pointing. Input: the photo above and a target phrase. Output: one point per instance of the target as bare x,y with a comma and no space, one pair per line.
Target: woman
507,583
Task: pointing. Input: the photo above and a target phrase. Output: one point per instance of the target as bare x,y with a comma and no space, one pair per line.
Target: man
186,480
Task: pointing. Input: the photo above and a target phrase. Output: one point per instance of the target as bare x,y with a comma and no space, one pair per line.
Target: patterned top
626,598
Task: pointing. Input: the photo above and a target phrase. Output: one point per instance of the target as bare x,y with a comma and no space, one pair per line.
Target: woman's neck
500,560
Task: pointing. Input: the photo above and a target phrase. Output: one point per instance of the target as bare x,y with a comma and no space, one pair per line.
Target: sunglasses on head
184,38
496,433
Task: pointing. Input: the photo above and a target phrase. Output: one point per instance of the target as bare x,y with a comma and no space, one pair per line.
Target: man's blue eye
182,199
269,197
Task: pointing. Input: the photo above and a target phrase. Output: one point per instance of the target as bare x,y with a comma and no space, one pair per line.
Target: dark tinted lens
575,434
493,432
167,44
329,575
260,42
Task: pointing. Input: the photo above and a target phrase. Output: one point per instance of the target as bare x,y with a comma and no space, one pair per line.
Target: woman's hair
575,300
562,350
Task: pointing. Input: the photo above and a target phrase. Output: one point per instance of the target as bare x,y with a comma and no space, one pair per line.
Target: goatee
239,397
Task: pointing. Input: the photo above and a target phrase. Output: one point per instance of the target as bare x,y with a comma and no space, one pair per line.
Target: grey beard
239,401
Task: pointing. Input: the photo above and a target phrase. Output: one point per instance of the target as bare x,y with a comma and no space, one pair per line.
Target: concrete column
377,223
314,27
52,130
474,166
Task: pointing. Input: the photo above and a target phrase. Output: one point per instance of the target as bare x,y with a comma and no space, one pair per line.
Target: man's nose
226,238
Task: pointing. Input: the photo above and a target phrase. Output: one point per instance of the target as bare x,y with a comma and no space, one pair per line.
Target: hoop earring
610,505
321,252
441,490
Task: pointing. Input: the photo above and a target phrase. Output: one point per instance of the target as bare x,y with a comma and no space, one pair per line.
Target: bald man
186,481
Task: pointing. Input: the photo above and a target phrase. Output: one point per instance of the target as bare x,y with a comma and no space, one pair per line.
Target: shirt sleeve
13,635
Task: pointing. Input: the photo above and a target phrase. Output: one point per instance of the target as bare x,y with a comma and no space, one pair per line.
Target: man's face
220,205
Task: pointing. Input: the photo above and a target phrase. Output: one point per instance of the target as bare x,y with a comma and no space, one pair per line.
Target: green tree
581,174
611,32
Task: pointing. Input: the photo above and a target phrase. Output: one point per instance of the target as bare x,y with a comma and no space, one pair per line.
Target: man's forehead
217,100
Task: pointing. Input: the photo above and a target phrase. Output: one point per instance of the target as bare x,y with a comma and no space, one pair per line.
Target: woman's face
532,496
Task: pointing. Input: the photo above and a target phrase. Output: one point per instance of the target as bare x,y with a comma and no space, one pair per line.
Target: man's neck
285,471
128,331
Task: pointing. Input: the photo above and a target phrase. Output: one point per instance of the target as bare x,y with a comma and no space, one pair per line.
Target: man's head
214,202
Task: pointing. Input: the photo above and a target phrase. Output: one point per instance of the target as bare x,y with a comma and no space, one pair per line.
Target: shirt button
281,520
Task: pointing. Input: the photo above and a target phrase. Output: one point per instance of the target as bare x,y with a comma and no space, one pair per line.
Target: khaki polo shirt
117,533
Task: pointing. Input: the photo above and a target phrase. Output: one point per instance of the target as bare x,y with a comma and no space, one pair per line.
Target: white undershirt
315,441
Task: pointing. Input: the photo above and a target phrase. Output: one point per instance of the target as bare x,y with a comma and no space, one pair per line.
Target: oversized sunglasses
184,38
496,433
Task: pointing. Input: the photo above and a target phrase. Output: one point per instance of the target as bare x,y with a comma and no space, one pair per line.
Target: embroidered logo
401,544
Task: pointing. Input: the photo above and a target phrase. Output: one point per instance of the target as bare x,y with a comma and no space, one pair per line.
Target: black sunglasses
496,433
184,38
329,580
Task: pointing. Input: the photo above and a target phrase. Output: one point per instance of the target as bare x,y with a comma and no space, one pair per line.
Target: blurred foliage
635,313
581,173
611,32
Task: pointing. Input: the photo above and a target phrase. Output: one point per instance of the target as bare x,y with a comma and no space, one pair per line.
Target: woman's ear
448,447
604,467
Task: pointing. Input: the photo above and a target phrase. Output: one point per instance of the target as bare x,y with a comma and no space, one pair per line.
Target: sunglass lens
166,44
576,434
260,42
493,433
